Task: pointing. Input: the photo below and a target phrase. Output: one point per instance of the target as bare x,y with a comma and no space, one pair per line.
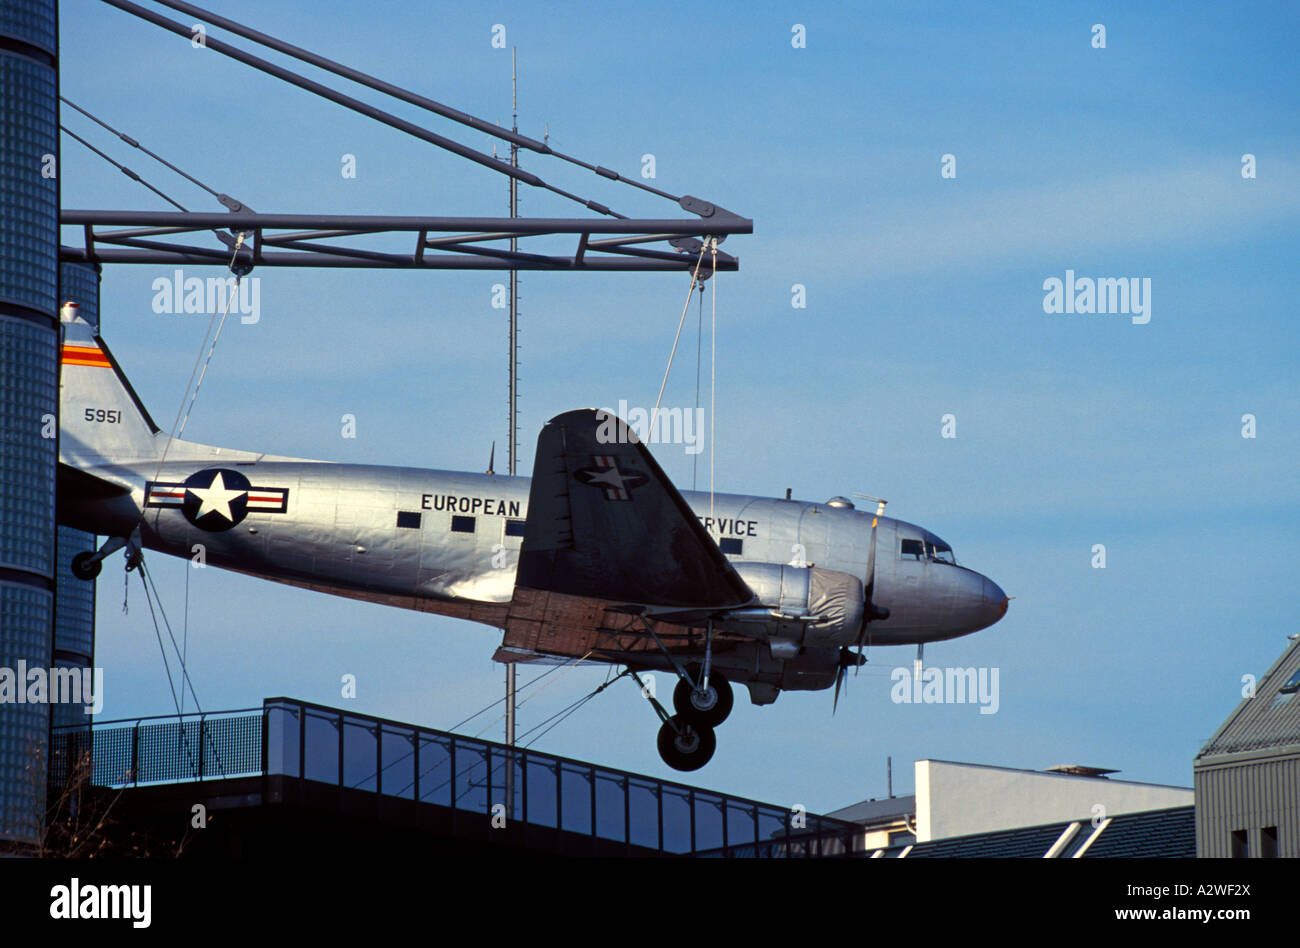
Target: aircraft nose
980,603
994,605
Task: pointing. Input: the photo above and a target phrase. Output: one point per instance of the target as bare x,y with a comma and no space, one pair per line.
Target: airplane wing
605,522
608,538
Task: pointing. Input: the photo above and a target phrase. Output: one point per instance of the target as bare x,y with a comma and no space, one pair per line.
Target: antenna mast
513,406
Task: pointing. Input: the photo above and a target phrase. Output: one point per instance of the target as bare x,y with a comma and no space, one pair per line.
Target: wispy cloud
1206,201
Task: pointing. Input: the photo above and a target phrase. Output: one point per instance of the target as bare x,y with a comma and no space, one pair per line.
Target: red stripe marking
85,355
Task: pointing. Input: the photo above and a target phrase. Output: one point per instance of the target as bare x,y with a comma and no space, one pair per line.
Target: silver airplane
597,557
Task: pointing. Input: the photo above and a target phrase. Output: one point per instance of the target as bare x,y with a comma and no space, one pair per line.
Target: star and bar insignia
617,482
216,499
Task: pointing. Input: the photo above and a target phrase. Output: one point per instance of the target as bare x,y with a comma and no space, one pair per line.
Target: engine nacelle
800,605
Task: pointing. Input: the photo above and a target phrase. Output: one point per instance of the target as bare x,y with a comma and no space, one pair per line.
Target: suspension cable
567,666
151,594
185,634
225,199
185,674
158,633
561,715
432,767
121,167
654,417
182,408
521,688
185,740
239,242
713,369
699,350
135,144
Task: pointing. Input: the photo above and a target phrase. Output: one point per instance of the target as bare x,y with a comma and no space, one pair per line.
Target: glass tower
29,389
74,602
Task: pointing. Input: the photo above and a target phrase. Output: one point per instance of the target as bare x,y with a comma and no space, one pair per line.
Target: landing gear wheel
709,707
83,569
690,749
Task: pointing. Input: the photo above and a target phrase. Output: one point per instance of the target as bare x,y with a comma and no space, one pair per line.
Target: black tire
689,750
686,702
84,570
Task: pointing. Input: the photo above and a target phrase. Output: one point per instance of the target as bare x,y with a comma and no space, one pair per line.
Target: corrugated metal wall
1248,792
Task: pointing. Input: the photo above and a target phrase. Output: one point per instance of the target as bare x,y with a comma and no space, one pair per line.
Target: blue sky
924,297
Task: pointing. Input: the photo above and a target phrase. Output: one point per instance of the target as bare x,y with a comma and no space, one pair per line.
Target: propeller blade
870,586
870,610
847,659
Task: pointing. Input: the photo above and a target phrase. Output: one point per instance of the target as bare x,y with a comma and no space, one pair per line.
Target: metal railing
314,745
161,748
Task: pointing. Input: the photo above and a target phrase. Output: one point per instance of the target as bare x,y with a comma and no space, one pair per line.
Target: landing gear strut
86,565
702,702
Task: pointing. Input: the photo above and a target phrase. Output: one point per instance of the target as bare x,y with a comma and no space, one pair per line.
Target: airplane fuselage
448,542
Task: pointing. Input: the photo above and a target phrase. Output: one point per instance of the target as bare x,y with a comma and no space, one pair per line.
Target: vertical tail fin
101,418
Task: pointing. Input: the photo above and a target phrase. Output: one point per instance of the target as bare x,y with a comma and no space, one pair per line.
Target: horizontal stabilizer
507,655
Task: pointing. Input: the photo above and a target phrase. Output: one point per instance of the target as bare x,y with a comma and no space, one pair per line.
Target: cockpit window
911,550
940,552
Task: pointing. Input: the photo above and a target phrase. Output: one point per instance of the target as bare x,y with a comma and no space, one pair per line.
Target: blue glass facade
29,392
29,128
32,22
26,614
29,248
74,607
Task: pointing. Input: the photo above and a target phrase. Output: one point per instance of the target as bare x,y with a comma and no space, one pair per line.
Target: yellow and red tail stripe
85,355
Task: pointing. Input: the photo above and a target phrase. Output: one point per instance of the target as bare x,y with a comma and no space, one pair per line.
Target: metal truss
300,240
439,243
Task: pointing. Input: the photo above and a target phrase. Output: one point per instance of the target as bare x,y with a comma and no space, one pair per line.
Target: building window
731,546
1268,842
462,524
1240,846
1292,685
410,519
514,528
